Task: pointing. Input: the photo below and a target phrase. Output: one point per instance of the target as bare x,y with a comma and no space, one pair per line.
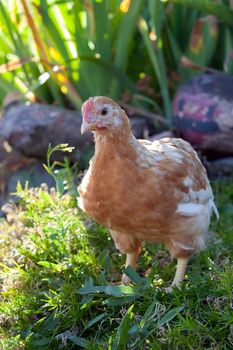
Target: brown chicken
144,191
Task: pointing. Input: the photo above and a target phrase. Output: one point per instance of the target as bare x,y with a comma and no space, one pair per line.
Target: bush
65,51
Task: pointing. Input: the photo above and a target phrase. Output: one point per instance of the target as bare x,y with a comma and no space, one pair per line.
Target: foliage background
64,51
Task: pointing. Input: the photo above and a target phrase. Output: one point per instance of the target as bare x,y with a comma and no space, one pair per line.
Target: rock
31,171
34,173
10,161
203,113
31,128
139,127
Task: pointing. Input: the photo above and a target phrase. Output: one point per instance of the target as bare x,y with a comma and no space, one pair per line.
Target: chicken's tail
213,208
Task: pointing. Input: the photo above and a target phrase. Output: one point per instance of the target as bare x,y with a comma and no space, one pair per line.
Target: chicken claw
131,260
125,279
179,276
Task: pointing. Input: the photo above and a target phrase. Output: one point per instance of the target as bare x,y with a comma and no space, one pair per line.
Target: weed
58,284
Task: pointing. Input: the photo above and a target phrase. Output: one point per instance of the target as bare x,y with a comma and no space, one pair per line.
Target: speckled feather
143,191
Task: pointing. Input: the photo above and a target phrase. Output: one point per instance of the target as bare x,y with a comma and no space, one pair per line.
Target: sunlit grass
58,283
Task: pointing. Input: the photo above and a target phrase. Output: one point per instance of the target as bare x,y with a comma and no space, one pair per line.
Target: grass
58,283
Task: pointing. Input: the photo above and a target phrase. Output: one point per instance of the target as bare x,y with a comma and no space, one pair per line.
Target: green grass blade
64,19
53,30
158,16
126,30
102,40
157,62
95,320
174,47
228,54
81,342
170,315
223,12
202,43
20,49
109,68
123,44
122,334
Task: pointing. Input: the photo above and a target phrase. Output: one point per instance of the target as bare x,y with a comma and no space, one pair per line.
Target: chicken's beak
85,127
88,123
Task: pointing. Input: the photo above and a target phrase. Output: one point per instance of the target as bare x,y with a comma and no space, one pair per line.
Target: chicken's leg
180,272
129,246
131,260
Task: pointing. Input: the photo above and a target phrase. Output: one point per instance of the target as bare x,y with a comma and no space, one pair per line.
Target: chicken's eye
104,111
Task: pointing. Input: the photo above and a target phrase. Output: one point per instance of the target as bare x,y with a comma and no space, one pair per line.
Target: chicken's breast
161,193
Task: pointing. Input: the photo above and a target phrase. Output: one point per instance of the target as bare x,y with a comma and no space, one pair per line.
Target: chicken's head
101,114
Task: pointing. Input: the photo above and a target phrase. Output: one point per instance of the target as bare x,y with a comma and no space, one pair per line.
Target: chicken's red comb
87,109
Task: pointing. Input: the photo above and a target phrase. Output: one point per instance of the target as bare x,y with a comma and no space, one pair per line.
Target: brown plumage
143,191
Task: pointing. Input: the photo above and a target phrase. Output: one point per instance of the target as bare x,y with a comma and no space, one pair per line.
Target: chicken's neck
123,145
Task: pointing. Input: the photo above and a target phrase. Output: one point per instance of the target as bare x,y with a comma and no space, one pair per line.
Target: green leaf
19,187
203,41
122,334
46,197
134,276
116,291
86,299
158,64
170,315
153,311
59,185
223,12
120,301
125,35
134,329
109,68
126,30
149,312
47,169
52,29
82,342
48,265
228,62
40,342
158,16
95,320
48,323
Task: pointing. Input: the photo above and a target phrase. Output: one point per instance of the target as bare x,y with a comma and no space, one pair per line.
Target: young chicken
143,191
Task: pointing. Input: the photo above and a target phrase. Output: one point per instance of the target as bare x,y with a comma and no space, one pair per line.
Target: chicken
144,191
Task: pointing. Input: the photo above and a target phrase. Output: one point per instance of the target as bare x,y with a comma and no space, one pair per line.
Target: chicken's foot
180,272
131,260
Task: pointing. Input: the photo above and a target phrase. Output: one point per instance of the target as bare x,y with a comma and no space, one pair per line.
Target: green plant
208,29
220,10
63,176
157,15
60,50
58,274
58,291
140,51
